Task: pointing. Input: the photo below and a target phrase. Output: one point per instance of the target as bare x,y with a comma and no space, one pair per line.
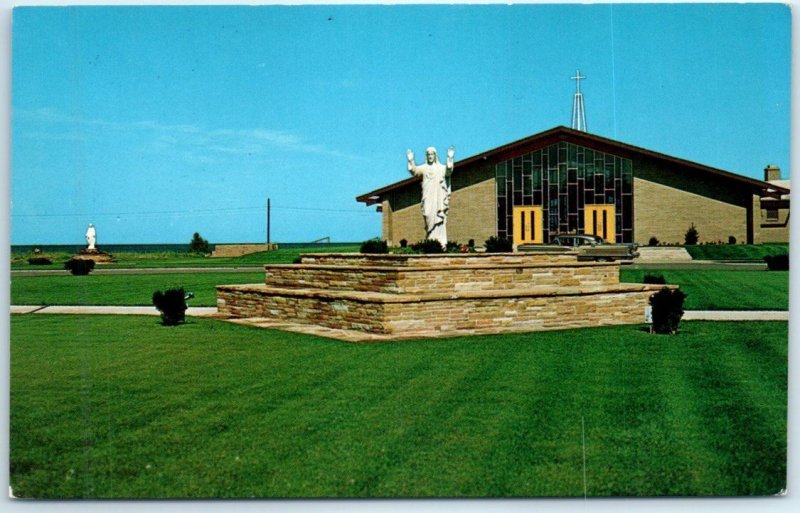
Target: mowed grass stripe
710,289
745,416
247,412
115,289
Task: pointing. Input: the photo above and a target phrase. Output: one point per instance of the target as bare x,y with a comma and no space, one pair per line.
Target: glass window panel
572,155
501,170
527,185
589,155
553,176
517,178
537,177
501,187
517,197
609,198
572,175
526,167
562,176
536,157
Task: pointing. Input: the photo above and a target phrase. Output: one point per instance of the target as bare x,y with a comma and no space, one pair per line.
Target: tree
199,244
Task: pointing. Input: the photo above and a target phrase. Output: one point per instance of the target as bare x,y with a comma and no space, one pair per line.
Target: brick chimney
772,172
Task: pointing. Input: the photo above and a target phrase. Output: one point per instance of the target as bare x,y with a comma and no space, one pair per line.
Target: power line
197,212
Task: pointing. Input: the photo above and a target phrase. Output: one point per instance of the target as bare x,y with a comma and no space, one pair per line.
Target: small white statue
91,236
435,191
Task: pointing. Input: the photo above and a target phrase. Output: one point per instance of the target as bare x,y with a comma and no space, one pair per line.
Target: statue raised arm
410,161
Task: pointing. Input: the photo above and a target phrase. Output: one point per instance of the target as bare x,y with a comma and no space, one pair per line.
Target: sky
153,123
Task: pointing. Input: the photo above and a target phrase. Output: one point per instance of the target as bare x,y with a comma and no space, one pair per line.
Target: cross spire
578,111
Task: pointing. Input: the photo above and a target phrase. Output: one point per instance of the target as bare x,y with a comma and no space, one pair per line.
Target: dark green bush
691,237
453,247
777,262
652,242
731,239
654,278
39,261
172,305
667,310
471,243
403,243
199,245
79,266
498,245
374,246
428,246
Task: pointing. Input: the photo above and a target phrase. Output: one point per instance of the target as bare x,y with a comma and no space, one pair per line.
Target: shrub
428,246
731,239
79,266
172,305
654,278
39,261
498,245
374,246
199,245
777,262
691,237
403,243
667,310
453,247
652,242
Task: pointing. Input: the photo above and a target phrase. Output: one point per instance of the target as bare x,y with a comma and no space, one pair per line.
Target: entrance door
528,225
599,220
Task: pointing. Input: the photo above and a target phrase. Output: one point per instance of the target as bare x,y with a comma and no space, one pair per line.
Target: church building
565,180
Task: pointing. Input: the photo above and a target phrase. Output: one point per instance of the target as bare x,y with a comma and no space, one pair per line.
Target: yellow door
599,220
528,225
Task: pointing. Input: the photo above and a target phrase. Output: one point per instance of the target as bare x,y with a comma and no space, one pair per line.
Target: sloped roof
562,133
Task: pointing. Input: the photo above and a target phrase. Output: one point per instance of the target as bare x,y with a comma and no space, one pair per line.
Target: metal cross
577,78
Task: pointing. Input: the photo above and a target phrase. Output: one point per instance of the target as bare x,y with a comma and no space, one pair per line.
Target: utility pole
268,220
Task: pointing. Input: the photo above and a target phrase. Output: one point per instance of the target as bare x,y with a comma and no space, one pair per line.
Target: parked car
589,247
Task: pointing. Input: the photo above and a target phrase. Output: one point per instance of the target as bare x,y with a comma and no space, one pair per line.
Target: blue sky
156,122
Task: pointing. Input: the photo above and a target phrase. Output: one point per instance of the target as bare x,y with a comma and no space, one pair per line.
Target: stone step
665,254
446,259
424,314
441,279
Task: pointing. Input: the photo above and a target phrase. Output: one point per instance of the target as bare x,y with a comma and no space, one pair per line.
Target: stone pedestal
383,297
99,257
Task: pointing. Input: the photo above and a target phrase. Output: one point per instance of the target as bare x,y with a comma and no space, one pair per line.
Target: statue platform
99,257
365,297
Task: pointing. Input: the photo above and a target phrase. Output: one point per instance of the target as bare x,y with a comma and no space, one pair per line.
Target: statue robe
435,198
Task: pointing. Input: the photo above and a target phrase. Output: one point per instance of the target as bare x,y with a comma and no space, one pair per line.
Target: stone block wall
419,280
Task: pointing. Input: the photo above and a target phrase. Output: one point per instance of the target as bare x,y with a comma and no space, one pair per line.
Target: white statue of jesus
91,236
435,191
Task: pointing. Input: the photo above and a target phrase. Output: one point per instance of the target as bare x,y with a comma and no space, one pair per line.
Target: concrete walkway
211,311
194,311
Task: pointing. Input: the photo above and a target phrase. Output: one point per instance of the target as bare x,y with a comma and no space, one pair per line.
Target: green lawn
706,289
168,259
724,290
116,289
120,407
736,251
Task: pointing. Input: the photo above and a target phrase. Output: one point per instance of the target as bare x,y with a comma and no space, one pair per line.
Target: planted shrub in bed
79,266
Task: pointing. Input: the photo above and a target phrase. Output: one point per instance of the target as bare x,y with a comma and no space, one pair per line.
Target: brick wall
666,213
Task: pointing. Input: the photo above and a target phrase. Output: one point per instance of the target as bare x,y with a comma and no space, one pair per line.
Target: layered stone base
433,315
378,297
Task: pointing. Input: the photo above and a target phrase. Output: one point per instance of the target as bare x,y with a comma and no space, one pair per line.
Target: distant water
151,248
